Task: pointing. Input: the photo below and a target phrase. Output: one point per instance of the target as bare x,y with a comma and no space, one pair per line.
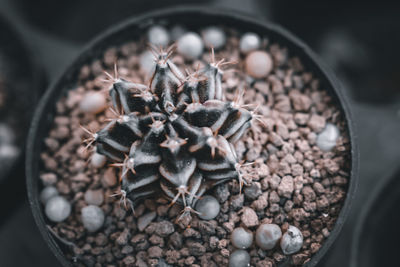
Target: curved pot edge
376,194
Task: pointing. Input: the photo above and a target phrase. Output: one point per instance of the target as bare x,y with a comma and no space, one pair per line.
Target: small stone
155,252
301,118
274,181
239,258
92,218
196,249
156,240
301,102
109,177
249,42
47,193
57,209
94,197
261,203
48,178
127,250
241,238
326,140
292,240
158,36
129,261
322,202
208,206
164,228
258,64
98,160
176,240
101,239
252,191
236,201
318,187
249,217
93,102
214,37
123,237
316,123
207,227
190,45
267,235
286,187
221,192
145,220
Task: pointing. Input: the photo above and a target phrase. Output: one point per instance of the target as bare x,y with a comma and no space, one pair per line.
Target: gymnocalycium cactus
175,135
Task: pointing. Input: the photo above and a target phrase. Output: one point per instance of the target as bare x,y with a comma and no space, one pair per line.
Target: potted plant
254,165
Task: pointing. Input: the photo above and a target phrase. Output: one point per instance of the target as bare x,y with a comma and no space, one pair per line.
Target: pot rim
142,21
377,193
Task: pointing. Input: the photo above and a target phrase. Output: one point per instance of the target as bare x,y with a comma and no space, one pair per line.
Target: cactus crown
174,136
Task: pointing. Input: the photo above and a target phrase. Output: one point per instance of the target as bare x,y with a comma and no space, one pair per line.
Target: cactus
175,136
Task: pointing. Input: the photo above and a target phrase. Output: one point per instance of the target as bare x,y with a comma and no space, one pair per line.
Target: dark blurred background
360,41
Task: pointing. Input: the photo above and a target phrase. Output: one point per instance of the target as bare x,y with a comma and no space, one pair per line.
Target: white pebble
57,209
214,37
209,207
47,193
158,36
177,31
147,63
249,42
326,140
93,102
267,235
98,160
258,64
190,45
92,218
94,197
242,238
292,240
239,258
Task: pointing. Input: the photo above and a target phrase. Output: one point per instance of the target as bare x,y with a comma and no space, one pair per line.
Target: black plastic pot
23,81
376,238
193,18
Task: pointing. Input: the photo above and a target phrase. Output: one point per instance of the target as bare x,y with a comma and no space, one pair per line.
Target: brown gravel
293,181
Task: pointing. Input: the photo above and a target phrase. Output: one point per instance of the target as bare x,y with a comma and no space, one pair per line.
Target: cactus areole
175,135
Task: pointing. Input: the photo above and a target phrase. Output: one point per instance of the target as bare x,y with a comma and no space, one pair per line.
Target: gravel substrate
292,183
